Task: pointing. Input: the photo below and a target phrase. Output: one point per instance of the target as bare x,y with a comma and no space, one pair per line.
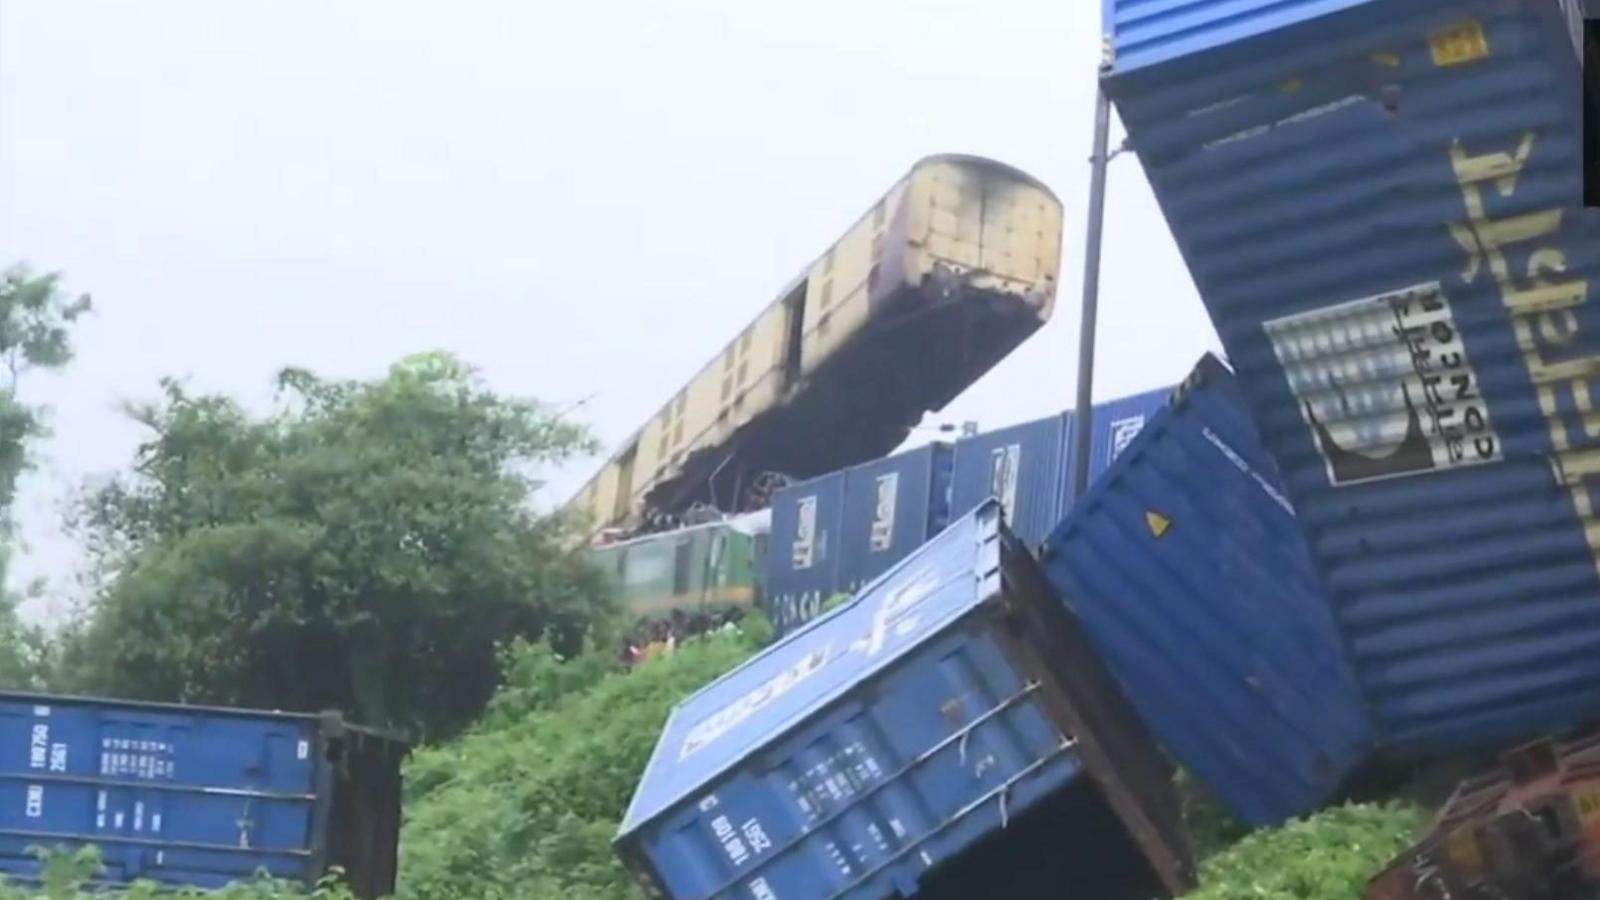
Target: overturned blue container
1379,201
1023,466
947,732
891,507
195,796
802,564
1188,570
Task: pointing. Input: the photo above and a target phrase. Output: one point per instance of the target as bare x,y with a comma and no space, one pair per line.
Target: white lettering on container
1123,431
1543,301
896,611
805,535
756,836
725,719
39,747
1004,463
894,614
887,493
731,842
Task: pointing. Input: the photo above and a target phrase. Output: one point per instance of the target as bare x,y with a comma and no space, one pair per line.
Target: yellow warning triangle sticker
1157,522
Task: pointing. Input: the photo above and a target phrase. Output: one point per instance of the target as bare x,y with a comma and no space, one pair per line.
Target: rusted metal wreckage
1528,829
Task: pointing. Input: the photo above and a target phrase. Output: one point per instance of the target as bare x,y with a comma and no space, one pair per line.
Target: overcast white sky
580,198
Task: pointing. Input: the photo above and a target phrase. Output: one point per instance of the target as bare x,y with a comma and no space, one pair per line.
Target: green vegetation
66,875
1328,856
527,802
36,318
363,548
369,546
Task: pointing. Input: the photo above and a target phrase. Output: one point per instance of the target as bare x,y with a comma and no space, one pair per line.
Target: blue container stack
892,506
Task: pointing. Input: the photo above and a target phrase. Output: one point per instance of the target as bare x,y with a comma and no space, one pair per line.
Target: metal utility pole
1081,428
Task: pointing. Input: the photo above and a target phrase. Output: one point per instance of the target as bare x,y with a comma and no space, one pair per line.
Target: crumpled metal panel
1528,829
1382,217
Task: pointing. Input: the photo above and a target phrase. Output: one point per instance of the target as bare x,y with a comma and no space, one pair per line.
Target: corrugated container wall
197,796
802,568
1380,208
1112,425
891,507
1023,466
1188,570
871,754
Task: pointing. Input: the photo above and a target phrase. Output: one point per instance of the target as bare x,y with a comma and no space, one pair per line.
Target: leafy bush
66,874
527,802
1328,856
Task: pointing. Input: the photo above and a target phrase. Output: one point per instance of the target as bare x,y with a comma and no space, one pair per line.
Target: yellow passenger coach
948,272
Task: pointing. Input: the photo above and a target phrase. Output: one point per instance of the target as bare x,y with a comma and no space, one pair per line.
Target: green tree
36,317
27,652
365,547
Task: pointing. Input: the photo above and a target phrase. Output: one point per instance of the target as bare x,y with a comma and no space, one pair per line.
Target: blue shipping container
1380,206
1186,566
870,754
1023,466
891,507
802,566
197,796
1112,426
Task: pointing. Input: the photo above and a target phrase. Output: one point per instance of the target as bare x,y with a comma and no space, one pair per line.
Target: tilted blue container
891,507
1379,203
875,753
1187,568
197,796
802,565
1023,466
1112,426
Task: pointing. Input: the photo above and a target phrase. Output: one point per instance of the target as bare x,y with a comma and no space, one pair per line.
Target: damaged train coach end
1380,204
944,733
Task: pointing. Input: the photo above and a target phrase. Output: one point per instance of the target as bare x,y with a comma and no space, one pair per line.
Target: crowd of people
658,637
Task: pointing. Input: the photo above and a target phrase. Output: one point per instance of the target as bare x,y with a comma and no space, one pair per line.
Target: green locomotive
701,568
